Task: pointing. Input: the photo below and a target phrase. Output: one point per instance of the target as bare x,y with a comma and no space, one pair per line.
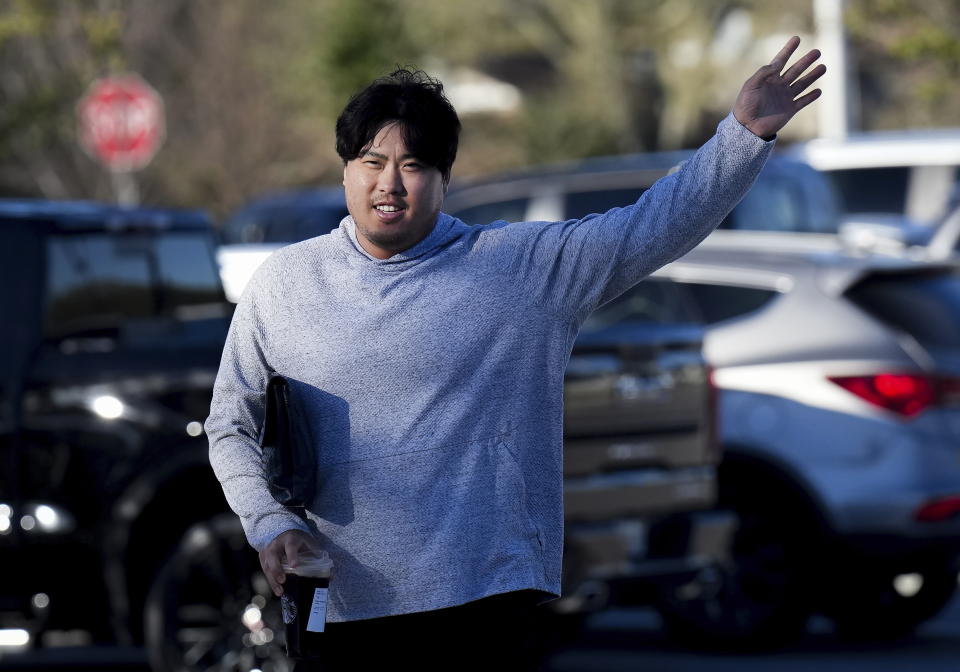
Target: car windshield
924,305
283,223
99,281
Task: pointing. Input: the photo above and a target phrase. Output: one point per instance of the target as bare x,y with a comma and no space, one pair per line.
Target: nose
390,180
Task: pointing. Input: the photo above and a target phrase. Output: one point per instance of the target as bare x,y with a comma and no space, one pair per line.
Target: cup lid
310,564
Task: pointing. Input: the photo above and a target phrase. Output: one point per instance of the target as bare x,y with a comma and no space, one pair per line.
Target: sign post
122,125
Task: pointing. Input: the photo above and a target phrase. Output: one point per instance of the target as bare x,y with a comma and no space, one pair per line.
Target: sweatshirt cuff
262,534
734,127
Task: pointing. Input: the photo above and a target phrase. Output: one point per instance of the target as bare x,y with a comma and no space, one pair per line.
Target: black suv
113,323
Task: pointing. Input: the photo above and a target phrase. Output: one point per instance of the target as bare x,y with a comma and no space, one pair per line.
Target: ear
344,173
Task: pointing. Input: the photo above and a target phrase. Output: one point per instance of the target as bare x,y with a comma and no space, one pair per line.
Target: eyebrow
383,157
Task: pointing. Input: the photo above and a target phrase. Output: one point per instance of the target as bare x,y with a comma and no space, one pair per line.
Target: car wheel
872,605
754,600
210,606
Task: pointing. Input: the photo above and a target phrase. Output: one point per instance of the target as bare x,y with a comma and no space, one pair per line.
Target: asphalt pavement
622,640
631,640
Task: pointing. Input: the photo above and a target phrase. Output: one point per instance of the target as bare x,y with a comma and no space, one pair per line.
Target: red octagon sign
121,122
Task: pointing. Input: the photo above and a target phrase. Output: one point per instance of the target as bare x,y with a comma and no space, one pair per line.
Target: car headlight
107,406
36,518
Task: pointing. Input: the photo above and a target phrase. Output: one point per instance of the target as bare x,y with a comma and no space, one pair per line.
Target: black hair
413,99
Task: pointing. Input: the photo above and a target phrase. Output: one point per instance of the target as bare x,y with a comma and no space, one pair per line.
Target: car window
91,284
924,305
773,204
800,200
244,227
287,223
188,271
871,189
717,303
654,300
313,224
579,204
514,210
100,280
278,226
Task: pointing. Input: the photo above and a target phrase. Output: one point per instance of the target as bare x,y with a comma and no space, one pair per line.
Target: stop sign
121,122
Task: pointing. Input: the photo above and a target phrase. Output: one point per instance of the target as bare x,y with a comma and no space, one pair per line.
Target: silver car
839,380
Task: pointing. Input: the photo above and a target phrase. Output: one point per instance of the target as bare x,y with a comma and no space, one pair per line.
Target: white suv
840,419
912,173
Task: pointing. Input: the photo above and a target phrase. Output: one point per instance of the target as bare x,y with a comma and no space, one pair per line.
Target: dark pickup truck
113,321
640,453
111,520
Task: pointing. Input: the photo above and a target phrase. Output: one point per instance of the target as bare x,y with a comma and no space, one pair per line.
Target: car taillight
938,509
903,393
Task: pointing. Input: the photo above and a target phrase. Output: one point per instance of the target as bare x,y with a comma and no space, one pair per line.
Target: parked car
887,193
256,230
788,197
114,320
640,454
839,380
912,173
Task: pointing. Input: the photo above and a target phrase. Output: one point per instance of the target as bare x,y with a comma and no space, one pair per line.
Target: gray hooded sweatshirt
435,383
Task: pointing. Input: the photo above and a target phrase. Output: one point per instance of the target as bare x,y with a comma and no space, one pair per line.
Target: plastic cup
304,605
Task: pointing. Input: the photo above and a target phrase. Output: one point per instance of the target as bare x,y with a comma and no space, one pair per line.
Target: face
393,197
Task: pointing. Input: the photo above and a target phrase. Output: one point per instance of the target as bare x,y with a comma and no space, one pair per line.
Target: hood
445,231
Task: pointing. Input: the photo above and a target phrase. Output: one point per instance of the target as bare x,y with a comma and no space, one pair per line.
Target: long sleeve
236,415
577,265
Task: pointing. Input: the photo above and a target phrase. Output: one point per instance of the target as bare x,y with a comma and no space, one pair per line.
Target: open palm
770,98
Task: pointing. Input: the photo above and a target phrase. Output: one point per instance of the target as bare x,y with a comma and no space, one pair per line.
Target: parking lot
631,639
709,399
621,640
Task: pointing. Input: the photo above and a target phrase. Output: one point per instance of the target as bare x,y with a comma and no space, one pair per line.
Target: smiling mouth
389,213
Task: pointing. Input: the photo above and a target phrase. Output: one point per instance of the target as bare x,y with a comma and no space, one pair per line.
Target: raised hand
770,98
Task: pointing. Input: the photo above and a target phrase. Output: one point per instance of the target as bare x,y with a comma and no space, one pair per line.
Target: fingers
286,547
780,60
805,100
804,82
270,559
801,65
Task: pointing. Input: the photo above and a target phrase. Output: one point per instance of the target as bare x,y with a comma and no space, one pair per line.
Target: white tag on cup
318,611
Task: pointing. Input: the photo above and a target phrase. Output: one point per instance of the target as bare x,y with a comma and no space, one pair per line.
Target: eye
412,166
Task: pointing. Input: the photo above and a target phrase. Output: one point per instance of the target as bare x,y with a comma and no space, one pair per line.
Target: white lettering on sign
318,611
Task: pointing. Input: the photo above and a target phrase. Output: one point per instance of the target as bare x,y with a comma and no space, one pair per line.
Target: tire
867,606
194,611
755,601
